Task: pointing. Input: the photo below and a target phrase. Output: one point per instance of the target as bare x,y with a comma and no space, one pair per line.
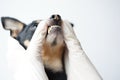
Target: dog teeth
49,29
55,26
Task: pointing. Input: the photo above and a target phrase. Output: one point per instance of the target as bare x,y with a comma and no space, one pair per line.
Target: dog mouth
54,29
54,24
54,34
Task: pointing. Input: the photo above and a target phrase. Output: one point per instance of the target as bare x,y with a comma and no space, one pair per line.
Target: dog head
23,32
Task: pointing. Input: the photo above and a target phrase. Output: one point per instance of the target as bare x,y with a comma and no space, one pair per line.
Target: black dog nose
56,20
56,17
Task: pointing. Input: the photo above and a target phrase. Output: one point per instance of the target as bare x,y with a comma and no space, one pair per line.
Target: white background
97,25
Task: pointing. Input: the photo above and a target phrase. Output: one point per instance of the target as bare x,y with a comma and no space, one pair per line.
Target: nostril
55,17
58,16
52,17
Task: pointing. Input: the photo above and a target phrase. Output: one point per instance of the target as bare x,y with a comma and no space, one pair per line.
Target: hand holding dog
78,65
27,64
36,42
30,66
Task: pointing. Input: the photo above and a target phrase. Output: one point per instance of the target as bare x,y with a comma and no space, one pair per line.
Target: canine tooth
49,30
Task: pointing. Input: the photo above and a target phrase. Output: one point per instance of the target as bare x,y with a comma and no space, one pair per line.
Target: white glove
78,66
27,64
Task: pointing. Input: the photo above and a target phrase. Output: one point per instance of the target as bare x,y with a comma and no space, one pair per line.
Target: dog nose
55,20
56,17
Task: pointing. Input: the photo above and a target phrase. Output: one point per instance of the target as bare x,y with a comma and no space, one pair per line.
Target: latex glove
78,65
27,64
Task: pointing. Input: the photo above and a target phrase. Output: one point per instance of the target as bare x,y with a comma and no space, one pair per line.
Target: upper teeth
49,29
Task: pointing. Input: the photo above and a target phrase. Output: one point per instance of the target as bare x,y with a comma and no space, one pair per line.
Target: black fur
27,33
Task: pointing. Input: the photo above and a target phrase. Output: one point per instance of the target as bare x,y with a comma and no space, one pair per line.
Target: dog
53,46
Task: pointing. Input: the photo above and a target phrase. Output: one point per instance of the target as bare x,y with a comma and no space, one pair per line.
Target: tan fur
52,56
26,43
16,30
14,33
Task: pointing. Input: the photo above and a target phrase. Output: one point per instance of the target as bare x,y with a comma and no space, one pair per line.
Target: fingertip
43,24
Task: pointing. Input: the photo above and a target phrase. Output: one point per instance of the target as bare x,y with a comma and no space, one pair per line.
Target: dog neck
52,56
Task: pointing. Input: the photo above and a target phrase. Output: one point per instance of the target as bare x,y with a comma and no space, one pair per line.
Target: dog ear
15,26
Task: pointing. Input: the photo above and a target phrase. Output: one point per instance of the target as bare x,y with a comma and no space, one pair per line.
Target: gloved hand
78,65
27,64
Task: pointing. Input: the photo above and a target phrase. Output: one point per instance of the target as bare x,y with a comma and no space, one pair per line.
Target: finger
68,30
70,37
35,47
41,29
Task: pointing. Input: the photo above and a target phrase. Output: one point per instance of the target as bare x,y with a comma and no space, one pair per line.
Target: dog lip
52,22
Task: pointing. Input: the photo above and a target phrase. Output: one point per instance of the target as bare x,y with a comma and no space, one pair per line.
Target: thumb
40,32
68,31
70,37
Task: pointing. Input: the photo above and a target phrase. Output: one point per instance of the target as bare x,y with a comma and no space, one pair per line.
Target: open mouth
55,23
54,34
54,28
